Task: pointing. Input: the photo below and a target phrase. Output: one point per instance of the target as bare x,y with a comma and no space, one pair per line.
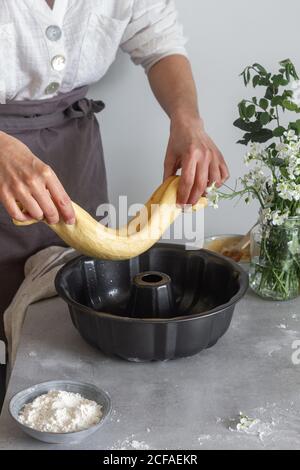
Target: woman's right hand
25,179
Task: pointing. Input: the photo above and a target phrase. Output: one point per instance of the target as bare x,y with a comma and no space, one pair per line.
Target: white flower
255,178
281,147
289,190
290,135
290,149
256,152
266,215
248,158
255,148
212,196
275,217
293,167
278,218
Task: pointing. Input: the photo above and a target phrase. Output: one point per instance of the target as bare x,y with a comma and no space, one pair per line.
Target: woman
50,145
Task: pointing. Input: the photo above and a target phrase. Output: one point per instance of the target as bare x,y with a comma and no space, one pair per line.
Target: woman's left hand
191,149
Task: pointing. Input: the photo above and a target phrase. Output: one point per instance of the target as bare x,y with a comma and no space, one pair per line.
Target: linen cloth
40,272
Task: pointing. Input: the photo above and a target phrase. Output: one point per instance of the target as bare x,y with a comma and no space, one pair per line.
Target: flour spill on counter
130,443
204,437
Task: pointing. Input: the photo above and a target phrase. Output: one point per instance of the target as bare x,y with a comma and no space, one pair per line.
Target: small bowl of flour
60,412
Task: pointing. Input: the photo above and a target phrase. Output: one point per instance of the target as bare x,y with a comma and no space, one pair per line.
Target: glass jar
275,260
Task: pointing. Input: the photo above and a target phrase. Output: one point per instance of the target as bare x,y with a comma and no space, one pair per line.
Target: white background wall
224,36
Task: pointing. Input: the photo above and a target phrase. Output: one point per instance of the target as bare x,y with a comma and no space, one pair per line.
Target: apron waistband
41,114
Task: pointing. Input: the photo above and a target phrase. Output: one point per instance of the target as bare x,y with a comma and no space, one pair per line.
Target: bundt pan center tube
94,239
167,303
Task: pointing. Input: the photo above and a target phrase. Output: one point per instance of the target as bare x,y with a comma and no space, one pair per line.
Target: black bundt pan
105,298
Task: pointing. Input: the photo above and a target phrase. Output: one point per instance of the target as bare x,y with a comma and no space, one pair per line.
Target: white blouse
44,52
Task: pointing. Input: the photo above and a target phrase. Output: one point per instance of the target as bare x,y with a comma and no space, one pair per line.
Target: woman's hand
192,150
27,180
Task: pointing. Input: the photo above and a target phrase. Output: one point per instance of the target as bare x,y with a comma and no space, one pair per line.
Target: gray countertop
189,403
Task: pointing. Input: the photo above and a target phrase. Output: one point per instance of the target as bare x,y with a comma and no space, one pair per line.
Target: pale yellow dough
94,239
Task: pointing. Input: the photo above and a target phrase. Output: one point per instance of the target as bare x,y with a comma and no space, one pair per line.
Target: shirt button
53,33
58,62
52,88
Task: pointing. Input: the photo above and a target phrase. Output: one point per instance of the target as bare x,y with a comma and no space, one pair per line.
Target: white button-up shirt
44,52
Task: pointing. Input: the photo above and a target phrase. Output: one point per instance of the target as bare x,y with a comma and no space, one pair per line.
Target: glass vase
275,260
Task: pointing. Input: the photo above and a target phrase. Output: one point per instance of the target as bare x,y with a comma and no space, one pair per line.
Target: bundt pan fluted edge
206,288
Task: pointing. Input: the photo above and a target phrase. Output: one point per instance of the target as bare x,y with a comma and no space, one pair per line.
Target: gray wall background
224,36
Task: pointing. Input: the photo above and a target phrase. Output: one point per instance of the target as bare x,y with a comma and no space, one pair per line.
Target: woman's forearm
172,83
190,148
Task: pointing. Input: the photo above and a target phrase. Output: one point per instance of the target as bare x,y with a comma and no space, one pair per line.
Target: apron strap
32,115
84,108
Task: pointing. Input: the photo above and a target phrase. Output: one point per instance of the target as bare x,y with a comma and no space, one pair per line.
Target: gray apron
64,133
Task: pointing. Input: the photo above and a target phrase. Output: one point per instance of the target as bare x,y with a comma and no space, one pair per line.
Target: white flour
130,443
60,412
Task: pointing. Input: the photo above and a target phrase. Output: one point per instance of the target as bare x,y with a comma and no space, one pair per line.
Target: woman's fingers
200,184
199,173
29,203
12,207
28,180
61,199
224,172
45,202
170,165
187,179
214,174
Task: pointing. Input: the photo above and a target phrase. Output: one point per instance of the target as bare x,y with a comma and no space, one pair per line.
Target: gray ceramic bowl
89,391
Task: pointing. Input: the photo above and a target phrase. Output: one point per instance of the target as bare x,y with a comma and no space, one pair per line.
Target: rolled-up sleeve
153,32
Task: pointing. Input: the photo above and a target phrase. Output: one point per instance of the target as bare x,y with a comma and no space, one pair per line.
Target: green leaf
250,111
244,78
264,81
242,142
241,124
284,82
295,126
247,126
279,80
263,103
277,101
276,80
260,68
246,139
289,69
290,106
269,93
255,80
264,118
262,136
279,131
242,109
246,75
285,62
